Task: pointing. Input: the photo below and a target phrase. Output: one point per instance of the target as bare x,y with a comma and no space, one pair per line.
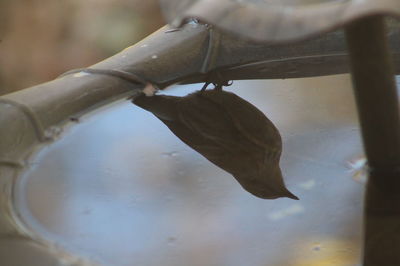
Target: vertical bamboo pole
377,103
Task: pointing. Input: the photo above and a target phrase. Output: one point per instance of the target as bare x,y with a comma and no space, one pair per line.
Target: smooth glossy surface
121,189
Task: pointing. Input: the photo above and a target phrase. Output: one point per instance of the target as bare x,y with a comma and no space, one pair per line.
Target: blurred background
39,40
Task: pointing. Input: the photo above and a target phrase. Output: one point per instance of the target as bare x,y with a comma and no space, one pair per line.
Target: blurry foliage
41,39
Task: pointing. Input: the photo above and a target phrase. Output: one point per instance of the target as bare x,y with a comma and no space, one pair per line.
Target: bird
229,132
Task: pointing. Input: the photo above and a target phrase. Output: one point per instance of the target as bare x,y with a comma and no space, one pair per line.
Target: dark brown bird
229,132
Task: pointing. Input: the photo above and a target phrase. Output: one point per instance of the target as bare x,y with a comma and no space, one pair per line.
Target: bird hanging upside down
229,132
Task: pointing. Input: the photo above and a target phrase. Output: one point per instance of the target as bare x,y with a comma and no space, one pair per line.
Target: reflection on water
122,189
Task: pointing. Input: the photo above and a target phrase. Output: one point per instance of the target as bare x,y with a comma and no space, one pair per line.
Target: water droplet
143,45
154,56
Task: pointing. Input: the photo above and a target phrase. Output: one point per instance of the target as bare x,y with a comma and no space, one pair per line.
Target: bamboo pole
378,109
